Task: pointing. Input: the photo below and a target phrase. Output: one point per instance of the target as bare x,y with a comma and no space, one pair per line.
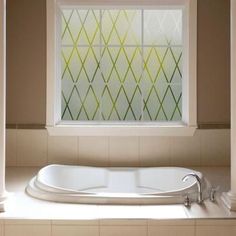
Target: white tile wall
11,147
215,147
123,230
74,230
1,228
31,148
171,231
62,150
36,148
27,230
215,227
118,228
124,151
181,149
93,151
155,151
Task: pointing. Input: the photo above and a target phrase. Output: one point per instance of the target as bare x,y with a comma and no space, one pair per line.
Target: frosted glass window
121,65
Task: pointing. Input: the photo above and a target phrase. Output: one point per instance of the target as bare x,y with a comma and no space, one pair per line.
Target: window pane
80,27
122,69
162,27
121,27
121,65
161,72
81,83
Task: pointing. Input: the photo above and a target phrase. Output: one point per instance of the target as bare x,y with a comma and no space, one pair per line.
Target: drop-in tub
95,185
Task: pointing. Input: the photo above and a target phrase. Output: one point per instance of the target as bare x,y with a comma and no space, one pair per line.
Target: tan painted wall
213,61
26,61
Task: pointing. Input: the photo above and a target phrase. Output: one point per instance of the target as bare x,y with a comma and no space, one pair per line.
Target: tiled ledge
21,206
118,228
26,216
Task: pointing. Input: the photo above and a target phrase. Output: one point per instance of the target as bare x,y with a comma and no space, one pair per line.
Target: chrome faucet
199,185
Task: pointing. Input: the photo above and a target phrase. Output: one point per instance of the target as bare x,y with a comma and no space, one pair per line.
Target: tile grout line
77,150
17,161
139,153
47,150
109,159
51,227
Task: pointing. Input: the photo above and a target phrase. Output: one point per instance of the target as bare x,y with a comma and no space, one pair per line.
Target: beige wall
26,61
213,61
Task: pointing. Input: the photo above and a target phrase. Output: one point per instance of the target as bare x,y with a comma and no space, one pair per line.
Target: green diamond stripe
161,63
176,64
105,82
160,101
129,68
113,64
177,107
113,103
68,28
97,28
110,34
67,24
130,103
67,63
113,28
176,101
146,66
149,95
130,21
83,27
161,67
97,67
161,104
84,100
82,108
83,63
67,106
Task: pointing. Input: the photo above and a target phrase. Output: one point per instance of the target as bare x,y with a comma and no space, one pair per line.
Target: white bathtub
82,184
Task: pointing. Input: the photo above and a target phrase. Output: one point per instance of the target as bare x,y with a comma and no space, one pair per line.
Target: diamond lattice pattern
121,65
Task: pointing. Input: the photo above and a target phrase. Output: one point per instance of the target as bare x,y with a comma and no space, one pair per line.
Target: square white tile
73,230
215,147
11,147
27,230
215,230
31,147
123,230
155,151
171,231
93,151
185,151
1,228
124,151
62,150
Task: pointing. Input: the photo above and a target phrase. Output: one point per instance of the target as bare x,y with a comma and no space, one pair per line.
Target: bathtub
95,185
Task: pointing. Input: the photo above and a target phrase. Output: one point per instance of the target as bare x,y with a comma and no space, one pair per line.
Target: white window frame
188,125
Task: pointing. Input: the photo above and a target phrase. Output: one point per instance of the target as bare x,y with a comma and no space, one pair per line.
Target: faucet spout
199,184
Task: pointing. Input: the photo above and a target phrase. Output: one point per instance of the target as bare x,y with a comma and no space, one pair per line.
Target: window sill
127,129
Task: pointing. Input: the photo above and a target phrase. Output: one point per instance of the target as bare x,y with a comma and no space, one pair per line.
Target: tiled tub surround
25,147
26,216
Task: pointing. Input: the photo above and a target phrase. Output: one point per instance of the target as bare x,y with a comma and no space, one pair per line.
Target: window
121,66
